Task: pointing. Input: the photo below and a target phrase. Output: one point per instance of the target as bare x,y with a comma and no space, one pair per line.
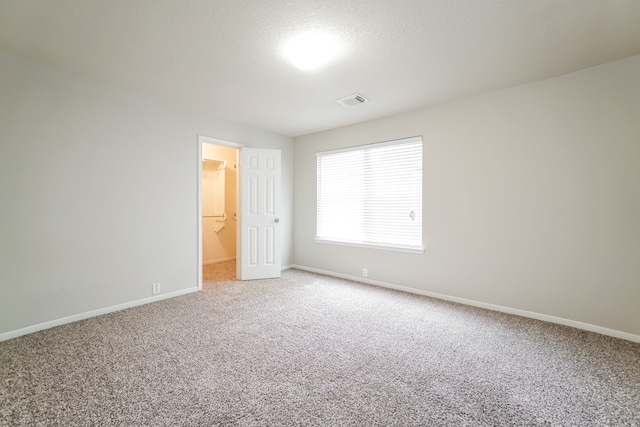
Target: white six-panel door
259,221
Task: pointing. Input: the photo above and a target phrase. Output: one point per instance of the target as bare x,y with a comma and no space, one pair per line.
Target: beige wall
98,190
531,198
221,245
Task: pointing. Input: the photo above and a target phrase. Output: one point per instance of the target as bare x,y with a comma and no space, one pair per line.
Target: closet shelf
220,164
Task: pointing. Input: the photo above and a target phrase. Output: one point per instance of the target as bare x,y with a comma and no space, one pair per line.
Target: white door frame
209,140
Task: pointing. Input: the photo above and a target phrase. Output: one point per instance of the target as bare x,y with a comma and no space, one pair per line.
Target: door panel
259,222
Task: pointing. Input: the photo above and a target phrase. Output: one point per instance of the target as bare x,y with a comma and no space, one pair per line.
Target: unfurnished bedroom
319,213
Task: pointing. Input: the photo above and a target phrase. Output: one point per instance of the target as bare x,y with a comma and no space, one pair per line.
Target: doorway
255,212
219,211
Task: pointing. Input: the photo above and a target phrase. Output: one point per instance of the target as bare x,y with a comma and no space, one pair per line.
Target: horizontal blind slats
371,194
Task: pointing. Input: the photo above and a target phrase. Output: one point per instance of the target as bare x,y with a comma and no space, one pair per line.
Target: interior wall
531,198
221,245
99,192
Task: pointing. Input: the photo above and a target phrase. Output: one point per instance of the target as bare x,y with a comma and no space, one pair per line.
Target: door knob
277,220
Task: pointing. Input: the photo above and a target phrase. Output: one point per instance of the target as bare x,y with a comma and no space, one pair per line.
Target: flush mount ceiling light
312,49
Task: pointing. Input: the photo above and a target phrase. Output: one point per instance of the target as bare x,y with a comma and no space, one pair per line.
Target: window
371,195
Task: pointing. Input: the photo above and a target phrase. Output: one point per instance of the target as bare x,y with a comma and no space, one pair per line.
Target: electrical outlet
365,272
156,288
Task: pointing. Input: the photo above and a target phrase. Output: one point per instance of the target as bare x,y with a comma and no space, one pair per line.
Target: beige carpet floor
218,272
309,350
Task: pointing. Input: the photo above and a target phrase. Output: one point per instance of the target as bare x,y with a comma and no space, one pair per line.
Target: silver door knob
277,220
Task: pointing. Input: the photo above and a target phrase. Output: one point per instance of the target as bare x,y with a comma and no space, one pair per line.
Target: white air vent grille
351,100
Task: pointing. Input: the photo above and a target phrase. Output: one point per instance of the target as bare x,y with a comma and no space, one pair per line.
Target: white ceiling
223,56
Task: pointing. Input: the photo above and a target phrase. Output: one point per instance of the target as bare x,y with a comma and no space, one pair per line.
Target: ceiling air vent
351,100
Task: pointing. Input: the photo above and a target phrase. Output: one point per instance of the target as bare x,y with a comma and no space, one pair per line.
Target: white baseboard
215,261
524,313
74,318
286,267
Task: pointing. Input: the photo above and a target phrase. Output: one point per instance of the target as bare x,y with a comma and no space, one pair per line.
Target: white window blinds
371,195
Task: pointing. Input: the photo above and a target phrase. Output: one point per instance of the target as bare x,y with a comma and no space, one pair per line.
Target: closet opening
219,213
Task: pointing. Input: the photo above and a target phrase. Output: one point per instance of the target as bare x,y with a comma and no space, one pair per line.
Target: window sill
366,246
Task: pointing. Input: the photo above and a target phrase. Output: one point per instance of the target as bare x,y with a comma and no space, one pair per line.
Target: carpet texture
313,350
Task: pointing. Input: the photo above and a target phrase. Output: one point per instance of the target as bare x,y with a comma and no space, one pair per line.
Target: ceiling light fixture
308,51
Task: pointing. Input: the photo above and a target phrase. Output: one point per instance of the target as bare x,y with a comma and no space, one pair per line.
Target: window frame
397,247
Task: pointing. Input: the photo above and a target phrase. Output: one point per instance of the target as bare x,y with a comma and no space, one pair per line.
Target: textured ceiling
224,56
